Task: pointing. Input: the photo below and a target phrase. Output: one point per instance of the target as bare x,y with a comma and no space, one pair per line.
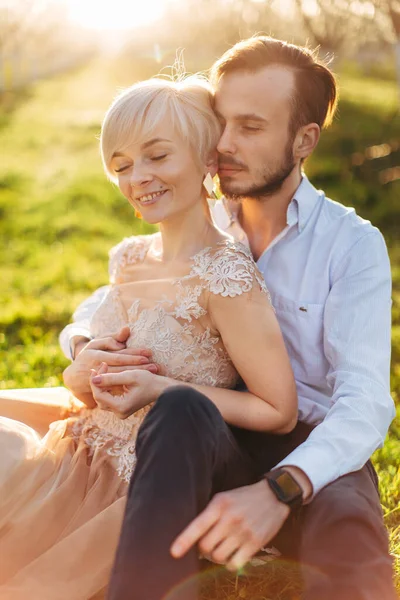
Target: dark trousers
185,454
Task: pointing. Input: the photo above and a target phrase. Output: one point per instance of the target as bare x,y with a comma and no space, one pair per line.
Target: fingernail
175,550
144,361
96,379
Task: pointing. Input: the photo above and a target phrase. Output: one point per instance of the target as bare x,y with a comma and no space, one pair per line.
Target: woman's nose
139,176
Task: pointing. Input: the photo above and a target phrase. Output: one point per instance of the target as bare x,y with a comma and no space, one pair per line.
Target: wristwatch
285,487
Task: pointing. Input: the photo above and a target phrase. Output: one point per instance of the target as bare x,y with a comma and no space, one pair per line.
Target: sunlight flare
115,15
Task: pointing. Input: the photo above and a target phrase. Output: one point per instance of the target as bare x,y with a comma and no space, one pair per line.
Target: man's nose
226,144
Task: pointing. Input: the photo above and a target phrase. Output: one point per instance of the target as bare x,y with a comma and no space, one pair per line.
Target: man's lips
229,168
228,171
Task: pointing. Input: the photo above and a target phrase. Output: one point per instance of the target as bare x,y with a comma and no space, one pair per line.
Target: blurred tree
206,27
327,24
391,8
340,25
35,41
14,21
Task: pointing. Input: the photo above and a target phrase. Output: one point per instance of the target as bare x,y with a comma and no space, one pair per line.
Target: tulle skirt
61,510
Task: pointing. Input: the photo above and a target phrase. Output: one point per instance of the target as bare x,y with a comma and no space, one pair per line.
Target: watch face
288,485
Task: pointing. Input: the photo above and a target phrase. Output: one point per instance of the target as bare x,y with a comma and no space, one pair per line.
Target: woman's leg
185,454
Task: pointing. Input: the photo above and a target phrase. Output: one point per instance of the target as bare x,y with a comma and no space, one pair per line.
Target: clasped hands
108,374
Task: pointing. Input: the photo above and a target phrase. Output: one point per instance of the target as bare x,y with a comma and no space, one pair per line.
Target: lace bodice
171,318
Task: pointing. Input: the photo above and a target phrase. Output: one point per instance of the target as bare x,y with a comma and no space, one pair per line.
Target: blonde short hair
138,110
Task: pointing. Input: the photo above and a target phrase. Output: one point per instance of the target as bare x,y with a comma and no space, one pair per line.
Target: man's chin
233,192
256,191
237,194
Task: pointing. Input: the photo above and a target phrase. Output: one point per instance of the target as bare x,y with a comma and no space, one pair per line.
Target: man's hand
135,389
234,526
111,350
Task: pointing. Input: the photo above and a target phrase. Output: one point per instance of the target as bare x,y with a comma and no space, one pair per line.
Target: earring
209,185
138,215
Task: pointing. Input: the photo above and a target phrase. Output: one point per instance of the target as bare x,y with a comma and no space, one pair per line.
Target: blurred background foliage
59,215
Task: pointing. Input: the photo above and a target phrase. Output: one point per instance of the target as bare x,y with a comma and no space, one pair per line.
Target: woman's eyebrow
143,146
153,141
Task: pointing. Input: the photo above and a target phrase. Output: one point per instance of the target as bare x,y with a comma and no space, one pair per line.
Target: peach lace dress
62,497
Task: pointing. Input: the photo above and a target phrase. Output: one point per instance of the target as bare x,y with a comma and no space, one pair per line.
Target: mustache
230,162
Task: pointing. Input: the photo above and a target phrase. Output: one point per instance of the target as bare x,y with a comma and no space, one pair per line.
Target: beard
268,181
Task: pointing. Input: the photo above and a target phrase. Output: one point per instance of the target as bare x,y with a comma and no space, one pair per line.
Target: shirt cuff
316,462
67,337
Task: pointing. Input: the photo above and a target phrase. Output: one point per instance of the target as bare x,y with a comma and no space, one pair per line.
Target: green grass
59,217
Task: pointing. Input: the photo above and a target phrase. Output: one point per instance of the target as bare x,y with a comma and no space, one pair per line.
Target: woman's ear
212,164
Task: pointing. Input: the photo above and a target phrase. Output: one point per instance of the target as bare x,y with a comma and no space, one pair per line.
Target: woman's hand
133,389
111,350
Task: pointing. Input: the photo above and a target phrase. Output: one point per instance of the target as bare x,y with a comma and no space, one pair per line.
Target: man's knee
180,407
181,423
182,399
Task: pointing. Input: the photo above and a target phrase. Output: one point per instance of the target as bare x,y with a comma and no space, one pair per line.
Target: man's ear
212,163
305,141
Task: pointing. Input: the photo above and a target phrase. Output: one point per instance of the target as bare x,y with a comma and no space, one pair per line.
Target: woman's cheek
125,188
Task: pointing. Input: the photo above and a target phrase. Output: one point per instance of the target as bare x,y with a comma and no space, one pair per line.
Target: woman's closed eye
121,169
158,157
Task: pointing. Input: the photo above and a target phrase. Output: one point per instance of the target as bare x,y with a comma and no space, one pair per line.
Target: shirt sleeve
80,326
81,318
357,336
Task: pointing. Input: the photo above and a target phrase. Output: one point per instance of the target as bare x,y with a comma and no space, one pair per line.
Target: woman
183,292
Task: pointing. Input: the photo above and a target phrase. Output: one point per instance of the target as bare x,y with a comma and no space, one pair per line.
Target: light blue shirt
329,276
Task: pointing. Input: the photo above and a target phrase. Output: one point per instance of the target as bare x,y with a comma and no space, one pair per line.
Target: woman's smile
150,198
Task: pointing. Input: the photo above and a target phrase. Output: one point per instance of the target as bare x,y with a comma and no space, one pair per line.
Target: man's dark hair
315,95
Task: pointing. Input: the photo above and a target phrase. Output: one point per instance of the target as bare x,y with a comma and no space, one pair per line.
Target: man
329,277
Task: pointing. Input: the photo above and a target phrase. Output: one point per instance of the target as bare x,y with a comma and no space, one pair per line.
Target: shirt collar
305,199
298,212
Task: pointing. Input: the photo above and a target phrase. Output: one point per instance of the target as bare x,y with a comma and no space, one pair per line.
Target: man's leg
185,453
344,544
340,537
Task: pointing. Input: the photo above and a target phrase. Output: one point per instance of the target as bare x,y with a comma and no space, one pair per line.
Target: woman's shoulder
228,269
129,251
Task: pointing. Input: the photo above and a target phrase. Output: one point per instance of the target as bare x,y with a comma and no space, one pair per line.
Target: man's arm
79,329
357,344
73,337
357,328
